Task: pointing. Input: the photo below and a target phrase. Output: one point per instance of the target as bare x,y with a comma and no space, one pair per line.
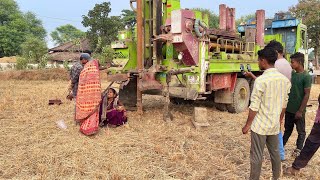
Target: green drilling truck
184,59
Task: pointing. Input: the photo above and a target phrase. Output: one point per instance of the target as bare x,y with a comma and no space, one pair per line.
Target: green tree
213,18
244,19
128,17
66,33
34,26
309,12
311,55
101,25
15,27
33,49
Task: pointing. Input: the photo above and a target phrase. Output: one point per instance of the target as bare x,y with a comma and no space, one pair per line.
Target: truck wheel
221,107
240,97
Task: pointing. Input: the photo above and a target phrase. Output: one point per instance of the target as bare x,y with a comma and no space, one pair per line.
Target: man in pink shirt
282,65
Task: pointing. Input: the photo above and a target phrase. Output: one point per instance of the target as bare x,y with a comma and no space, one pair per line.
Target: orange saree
88,98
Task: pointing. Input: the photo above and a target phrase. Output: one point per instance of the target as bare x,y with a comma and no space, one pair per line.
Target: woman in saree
113,112
89,98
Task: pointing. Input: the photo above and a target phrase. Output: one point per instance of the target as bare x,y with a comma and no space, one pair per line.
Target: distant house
69,51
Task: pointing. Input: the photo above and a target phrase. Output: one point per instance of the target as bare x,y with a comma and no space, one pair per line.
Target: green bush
43,62
66,65
34,49
105,56
22,63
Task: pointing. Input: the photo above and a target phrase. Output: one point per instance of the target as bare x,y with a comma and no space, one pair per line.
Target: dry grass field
34,147
11,59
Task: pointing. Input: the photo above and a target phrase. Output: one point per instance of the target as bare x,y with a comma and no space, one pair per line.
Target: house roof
72,46
64,56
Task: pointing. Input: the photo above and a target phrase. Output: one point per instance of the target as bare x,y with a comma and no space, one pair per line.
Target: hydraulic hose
198,23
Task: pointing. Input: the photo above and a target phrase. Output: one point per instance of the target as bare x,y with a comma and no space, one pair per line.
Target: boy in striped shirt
268,103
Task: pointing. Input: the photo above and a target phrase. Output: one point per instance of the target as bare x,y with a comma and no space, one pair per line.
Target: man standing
268,102
75,73
298,98
310,148
284,67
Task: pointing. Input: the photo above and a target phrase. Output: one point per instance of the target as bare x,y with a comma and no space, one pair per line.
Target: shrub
22,63
105,56
43,61
66,65
34,49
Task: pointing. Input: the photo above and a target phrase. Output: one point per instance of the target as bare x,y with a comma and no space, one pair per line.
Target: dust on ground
33,147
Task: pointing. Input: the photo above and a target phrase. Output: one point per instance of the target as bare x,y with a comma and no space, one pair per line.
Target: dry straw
34,147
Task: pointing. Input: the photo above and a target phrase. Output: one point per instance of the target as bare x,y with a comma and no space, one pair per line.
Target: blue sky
60,12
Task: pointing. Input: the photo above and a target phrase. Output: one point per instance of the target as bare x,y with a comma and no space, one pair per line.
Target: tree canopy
309,12
15,27
213,18
33,49
101,26
66,33
128,17
245,19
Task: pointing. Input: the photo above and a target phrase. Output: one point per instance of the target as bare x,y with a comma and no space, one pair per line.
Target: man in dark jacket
75,73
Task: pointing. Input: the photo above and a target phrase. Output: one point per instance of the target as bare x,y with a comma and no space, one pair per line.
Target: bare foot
291,171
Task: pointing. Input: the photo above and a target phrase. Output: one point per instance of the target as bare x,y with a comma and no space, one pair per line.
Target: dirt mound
11,59
43,75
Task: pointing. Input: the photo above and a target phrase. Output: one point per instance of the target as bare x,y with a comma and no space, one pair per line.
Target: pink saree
88,98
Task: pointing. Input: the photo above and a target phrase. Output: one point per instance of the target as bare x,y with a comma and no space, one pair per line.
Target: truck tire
221,107
240,97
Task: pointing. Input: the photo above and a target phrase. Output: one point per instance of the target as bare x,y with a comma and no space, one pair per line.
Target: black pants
310,148
289,123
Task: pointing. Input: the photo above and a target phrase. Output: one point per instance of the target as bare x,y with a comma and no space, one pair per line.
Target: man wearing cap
75,73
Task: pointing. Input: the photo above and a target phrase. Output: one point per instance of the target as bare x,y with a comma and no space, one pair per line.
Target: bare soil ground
34,147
